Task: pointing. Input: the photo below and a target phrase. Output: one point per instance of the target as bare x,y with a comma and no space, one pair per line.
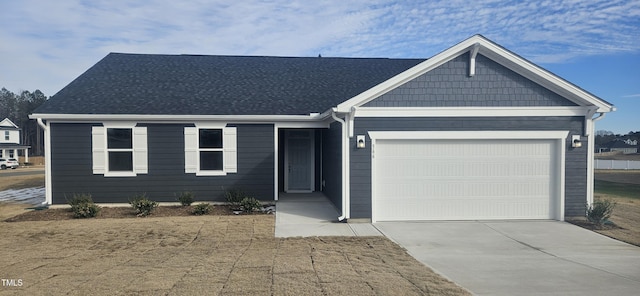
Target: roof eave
177,118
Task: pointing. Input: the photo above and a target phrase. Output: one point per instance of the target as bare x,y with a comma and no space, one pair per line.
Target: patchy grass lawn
203,255
21,182
635,156
631,191
623,187
8,210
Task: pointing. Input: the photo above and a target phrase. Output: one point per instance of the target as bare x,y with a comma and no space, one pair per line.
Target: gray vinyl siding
332,163
575,159
449,85
72,166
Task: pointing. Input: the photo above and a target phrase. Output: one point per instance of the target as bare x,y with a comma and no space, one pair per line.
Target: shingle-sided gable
450,85
219,85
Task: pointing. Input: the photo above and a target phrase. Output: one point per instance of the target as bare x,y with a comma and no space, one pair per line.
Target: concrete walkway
312,214
522,257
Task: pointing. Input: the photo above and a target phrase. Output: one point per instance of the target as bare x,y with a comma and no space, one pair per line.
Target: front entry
299,161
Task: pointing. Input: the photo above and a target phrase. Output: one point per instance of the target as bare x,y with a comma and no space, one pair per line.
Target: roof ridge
260,56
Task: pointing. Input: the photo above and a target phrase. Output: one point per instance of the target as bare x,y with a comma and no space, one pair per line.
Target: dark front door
299,166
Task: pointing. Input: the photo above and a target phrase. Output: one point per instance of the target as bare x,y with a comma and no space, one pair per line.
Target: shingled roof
219,85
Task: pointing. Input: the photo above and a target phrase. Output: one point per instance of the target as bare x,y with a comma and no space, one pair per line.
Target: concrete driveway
522,257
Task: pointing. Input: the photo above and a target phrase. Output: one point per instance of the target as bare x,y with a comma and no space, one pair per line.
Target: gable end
450,85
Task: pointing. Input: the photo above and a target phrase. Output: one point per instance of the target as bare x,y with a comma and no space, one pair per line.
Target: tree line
17,108
603,136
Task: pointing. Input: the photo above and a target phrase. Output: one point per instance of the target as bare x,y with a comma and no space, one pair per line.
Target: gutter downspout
344,167
591,126
47,161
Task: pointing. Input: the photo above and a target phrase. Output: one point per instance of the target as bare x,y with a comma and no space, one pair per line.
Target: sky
594,44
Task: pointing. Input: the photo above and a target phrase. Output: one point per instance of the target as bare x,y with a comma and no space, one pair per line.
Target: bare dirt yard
201,255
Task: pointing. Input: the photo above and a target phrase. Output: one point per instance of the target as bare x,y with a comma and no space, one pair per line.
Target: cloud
45,44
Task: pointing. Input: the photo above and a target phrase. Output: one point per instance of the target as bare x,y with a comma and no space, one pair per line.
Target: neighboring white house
618,145
10,141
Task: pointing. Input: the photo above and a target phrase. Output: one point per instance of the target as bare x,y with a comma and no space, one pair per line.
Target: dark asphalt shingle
219,85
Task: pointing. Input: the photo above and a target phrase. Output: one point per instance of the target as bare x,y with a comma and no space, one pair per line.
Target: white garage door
458,179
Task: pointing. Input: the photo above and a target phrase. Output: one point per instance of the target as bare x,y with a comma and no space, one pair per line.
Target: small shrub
201,209
142,205
600,211
186,198
250,204
81,198
82,206
86,210
235,196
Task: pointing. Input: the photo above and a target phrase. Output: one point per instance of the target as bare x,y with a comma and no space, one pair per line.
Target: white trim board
469,111
177,118
467,135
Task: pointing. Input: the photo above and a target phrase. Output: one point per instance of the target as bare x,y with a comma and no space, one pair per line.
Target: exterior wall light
360,143
575,141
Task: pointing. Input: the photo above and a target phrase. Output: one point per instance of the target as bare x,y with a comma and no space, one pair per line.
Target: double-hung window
119,150
6,136
210,150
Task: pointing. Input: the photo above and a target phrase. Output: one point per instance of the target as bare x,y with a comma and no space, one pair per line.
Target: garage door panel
443,169
414,209
466,190
463,179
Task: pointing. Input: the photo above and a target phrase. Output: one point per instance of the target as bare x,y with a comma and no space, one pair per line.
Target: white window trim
100,150
192,149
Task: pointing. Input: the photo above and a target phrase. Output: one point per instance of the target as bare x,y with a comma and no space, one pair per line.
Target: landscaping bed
119,212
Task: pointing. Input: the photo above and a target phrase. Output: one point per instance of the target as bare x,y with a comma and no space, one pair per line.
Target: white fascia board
494,52
469,111
300,121
466,135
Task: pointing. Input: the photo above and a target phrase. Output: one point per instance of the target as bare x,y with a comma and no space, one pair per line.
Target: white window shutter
230,144
140,151
98,149
190,150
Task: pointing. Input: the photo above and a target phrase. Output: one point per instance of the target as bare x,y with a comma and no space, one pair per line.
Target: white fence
607,164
